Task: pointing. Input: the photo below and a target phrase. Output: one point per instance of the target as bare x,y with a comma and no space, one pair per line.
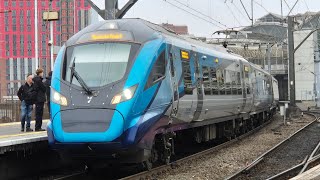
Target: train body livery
123,89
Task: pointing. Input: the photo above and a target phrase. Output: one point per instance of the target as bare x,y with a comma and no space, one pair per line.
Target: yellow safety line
21,134
16,123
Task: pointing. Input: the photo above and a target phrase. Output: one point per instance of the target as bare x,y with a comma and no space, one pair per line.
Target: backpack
31,95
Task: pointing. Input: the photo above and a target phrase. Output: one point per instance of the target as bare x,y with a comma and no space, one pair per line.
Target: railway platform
12,139
311,174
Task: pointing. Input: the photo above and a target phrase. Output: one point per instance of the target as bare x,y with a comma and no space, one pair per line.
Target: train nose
74,125
86,120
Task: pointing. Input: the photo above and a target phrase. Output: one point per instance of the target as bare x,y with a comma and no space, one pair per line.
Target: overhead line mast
111,10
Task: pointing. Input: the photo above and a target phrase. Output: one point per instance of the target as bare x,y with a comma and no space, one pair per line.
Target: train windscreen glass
97,64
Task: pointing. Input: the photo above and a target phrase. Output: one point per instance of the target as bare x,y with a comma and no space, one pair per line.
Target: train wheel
148,164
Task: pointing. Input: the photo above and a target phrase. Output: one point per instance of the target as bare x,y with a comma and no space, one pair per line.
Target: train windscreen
97,64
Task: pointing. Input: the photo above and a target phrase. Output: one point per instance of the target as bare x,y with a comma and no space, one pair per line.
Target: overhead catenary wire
195,15
233,14
286,4
245,9
292,7
187,6
238,10
306,5
259,4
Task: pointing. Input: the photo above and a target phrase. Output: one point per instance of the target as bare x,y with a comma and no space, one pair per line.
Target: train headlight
126,94
58,98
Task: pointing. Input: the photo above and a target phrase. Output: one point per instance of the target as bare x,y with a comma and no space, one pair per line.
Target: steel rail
260,158
188,160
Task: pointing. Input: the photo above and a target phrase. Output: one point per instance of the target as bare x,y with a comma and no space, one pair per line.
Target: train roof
144,31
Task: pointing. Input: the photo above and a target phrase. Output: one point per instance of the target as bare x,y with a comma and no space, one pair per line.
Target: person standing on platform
48,85
27,96
41,98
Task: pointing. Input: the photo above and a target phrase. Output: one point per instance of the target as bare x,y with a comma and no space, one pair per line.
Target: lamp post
51,16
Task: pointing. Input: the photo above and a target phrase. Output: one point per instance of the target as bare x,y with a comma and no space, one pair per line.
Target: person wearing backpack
41,98
27,95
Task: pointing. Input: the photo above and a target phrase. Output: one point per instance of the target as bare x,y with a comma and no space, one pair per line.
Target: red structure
17,36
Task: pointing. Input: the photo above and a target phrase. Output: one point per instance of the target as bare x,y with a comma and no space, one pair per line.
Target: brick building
182,30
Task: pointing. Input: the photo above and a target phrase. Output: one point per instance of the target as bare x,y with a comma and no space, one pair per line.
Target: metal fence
10,112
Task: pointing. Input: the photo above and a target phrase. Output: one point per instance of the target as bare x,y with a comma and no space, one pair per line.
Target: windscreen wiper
79,78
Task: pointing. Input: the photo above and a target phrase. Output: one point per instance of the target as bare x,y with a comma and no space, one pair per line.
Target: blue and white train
127,90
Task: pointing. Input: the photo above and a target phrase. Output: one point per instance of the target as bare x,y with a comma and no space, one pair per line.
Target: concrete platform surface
10,134
311,174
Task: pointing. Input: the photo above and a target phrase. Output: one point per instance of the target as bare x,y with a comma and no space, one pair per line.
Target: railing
10,112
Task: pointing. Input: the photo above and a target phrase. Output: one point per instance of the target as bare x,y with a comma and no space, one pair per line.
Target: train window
234,88
171,64
214,82
98,64
248,90
234,82
246,80
228,81
187,77
239,87
220,77
158,71
206,80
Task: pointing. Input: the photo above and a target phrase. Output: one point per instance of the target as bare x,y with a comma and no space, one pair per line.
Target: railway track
291,157
155,172
306,163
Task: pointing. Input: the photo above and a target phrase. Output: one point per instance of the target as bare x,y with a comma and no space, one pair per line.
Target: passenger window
228,81
187,77
206,80
246,79
239,87
171,64
234,82
220,77
158,71
214,82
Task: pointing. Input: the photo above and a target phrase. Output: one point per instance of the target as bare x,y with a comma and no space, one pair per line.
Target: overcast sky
229,12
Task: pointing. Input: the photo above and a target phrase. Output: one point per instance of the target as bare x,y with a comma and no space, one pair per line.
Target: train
128,91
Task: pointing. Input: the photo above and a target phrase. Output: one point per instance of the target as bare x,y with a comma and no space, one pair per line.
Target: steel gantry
111,10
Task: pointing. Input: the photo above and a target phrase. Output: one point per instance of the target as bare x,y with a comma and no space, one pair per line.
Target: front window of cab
98,64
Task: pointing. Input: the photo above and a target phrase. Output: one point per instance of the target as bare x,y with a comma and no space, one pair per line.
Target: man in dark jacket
48,84
26,95
41,98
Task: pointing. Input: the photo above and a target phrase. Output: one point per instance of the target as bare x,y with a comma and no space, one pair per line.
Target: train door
255,90
197,82
188,99
247,87
174,81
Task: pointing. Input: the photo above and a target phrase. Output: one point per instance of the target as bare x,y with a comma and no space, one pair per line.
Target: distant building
271,17
17,36
251,42
307,57
182,30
